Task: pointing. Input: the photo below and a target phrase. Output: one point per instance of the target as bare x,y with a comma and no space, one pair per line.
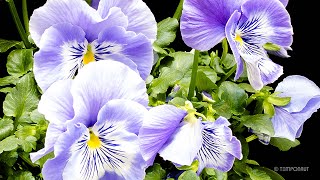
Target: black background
303,61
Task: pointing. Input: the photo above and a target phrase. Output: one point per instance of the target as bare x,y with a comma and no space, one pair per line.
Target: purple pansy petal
159,124
125,44
269,71
184,144
128,113
95,3
101,81
294,86
219,147
284,2
140,17
53,168
56,103
61,51
299,132
253,73
285,125
58,11
283,52
52,134
117,156
269,21
203,21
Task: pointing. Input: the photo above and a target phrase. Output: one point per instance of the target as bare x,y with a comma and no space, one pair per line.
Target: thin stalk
227,75
25,16
224,49
251,138
178,12
193,75
18,23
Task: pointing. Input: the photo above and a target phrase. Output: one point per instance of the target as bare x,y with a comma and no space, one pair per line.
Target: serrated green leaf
272,174
155,172
23,98
166,33
9,157
23,132
257,174
234,96
8,80
6,128
206,78
284,144
189,175
259,123
279,101
6,90
22,175
170,75
19,62
5,45
8,144
28,144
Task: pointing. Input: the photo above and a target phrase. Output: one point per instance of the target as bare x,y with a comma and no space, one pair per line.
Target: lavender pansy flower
94,123
71,34
182,138
305,100
248,25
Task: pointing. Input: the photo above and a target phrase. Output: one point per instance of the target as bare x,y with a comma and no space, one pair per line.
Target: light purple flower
182,138
71,34
248,25
94,123
305,100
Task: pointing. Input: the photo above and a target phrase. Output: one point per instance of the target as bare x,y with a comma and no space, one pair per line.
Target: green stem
193,75
251,138
25,16
227,75
178,12
224,49
18,23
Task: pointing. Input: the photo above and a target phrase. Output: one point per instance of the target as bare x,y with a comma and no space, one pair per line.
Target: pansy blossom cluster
121,104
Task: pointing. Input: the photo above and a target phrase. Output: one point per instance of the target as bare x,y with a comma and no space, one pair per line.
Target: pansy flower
305,100
71,34
182,138
248,25
94,120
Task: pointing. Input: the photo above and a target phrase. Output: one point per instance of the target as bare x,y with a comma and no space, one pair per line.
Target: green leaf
19,62
206,78
271,47
166,33
6,128
22,175
244,147
170,75
23,98
234,96
228,62
257,174
23,132
9,157
272,174
28,144
194,166
268,108
279,101
8,80
189,175
259,123
8,144
5,45
212,174
155,172
284,144
247,87
40,162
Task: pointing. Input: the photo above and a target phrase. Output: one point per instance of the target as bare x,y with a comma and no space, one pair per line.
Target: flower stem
18,23
251,138
25,16
178,12
224,49
227,75
193,75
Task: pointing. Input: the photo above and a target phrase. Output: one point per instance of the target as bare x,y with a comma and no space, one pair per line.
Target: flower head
94,123
71,34
182,138
248,25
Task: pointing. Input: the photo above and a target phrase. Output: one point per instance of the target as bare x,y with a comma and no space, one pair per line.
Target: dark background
303,61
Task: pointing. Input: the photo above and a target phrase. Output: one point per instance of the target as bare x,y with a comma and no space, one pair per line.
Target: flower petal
294,86
61,52
56,103
125,44
101,81
158,126
128,113
219,147
184,144
140,17
203,21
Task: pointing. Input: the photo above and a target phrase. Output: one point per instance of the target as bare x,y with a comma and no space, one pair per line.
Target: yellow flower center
238,39
89,56
94,141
